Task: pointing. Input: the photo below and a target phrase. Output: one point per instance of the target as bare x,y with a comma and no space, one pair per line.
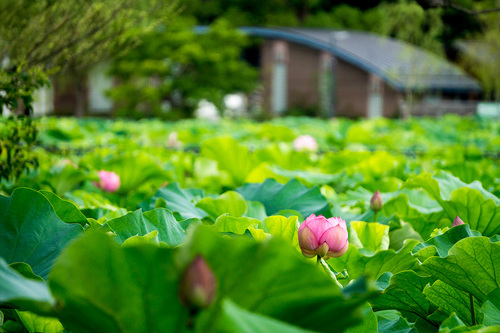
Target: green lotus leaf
292,195
140,224
472,265
31,231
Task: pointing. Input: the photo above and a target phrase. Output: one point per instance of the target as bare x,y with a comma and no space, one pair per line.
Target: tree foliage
175,67
47,35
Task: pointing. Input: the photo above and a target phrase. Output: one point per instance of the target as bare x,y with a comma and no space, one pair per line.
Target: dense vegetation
193,226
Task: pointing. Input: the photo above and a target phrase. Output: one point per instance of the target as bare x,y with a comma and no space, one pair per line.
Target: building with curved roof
356,74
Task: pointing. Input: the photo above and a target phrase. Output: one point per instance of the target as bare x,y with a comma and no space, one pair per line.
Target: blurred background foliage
175,68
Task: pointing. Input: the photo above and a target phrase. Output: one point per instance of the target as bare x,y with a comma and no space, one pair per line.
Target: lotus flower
457,221
305,143
198,286
173,141
376,202
326,238
108,181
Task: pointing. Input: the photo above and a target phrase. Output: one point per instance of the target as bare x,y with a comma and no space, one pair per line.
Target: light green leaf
473,265
140,224
372,236
230,202
151,237
35,324
450,323
230,156
423,220
237,225
235,319
491,308
282,227
31,231
256,210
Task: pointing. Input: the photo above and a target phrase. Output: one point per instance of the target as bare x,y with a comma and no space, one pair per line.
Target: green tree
49,35
175,67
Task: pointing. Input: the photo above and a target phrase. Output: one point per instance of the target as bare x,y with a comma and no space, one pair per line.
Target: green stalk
472,310
375,216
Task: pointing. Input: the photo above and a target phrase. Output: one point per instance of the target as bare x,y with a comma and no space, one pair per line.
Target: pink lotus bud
376,202
108,181
457,221
319,236
198,287
305,142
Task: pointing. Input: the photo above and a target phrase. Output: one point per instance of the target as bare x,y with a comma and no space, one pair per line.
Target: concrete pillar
375,107
326,84
279,86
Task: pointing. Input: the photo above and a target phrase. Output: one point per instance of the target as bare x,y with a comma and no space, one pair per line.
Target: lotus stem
472,310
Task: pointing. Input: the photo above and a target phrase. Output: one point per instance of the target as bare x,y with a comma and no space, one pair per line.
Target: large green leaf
230,156
451,300
476,206
140,224
423,220
18,290
66,210
177,200
231,203
404,293
135,290
374,265
481,214
441,244
276,287
292,195
235,319
31,231
473,265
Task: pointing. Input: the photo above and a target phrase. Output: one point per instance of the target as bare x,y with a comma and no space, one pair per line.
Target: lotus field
291,225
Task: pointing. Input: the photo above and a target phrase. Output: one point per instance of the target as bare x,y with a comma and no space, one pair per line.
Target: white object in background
305,143
43,101
488,110
99,83
206,110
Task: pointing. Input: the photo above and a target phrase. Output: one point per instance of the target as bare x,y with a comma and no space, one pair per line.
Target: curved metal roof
400,64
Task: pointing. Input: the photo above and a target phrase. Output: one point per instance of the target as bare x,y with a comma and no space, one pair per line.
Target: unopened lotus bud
457,221
326,238
376,202
198,286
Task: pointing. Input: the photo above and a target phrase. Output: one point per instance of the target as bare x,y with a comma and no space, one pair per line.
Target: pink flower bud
108,181
198,286
305,142
376,202
457,221
319,236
